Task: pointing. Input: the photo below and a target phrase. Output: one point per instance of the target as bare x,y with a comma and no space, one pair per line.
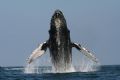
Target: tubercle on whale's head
58,20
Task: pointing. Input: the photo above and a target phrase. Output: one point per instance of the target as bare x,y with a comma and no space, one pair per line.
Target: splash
71,69
32,68
84,64
39,66
36,68
87,65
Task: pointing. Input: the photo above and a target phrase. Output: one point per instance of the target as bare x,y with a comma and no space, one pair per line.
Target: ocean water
106,72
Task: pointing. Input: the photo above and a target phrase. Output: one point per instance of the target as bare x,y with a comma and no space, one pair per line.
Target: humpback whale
59,45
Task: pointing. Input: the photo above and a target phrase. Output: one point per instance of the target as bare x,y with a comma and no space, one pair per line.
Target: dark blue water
109,72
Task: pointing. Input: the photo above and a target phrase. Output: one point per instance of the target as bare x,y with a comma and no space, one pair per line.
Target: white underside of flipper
88,54
36,53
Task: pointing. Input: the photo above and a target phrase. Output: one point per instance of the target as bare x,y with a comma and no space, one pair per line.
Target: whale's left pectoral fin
85,52
38,52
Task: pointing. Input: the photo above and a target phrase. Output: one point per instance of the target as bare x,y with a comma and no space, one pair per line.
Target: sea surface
106,72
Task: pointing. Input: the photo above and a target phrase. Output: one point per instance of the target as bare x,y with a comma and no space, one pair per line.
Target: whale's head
58,20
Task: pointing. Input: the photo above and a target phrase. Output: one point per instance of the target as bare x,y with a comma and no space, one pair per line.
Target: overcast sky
25,23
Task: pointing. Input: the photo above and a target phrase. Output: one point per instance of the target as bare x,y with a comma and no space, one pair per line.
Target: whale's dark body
59,44
59,41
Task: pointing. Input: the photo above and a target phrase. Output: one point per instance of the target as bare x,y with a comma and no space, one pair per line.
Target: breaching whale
60,45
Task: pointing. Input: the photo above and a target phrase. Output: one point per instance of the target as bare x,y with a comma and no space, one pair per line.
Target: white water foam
32,68
71,69
88,65
85,66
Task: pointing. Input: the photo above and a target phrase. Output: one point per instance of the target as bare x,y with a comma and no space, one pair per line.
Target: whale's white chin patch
57,23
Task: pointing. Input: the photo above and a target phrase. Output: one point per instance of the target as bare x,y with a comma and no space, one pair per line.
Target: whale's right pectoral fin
85,52
38,52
